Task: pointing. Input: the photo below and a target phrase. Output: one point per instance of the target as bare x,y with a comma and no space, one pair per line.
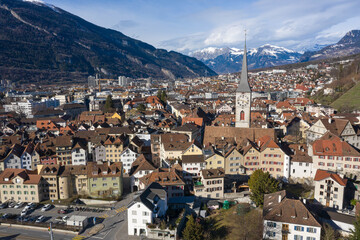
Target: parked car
46,207
40,219
19,205
5,216
64,218
63,211
25,212
12,204
30,206
3,205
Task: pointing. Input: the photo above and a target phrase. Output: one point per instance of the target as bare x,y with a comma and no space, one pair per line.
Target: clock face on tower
242,100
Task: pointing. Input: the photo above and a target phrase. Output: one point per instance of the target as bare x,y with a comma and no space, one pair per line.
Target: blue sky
186,25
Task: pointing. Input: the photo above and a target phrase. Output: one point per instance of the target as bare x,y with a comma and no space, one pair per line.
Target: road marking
122,209
104,216
78,237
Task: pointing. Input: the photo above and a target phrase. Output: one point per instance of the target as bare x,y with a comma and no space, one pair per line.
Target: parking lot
51,215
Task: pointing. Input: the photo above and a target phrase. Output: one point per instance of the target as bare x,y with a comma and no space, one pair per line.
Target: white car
24,212
64,218
19,205
40,219
30,206
46,207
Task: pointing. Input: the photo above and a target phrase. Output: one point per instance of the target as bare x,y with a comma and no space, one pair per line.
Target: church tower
243,97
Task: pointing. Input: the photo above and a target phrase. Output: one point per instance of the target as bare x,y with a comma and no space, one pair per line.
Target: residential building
334,154
329,189
144,209
105,180
192,165
169,178
339,127
210,184
233,161
21,185
79,154
139,169
301,163
127,157
286,218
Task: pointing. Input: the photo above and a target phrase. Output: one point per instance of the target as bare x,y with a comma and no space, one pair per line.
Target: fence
43,225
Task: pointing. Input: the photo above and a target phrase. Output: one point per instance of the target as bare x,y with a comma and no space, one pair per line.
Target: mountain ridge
227,60
37,37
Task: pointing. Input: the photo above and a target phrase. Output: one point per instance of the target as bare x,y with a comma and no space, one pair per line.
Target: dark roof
193,158
150,196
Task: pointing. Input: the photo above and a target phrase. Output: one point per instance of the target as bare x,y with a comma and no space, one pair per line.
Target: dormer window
105,172
17,180
6,179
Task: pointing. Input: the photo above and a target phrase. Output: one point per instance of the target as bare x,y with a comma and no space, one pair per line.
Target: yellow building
21,185
234,161
193,149
215,160
114,147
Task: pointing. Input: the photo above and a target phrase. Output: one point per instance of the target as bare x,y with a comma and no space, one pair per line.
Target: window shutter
302,228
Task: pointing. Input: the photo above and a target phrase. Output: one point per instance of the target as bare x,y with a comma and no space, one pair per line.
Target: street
115,225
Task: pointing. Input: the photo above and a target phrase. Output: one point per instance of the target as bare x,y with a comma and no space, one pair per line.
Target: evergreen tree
193,230
109,105
355,234
329,233
261,183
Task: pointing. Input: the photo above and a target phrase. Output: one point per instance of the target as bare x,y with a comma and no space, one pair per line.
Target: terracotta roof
331,145
164,176
30,177
322,174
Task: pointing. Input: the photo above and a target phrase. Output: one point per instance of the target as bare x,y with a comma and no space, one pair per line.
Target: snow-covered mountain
348,45
228,60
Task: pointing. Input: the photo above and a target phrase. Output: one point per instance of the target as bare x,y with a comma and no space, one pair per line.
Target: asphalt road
115,225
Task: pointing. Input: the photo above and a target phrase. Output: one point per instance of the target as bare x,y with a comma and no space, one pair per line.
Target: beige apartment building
233,162
114,147
210,184
21,185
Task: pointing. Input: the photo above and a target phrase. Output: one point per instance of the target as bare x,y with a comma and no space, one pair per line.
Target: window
271,224
298,237
311,230
336,189
242,116
270,234
134,220
298,228
310,238
134,212
93,185
145,214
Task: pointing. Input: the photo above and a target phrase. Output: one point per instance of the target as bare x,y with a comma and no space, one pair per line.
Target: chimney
279,198
329,120
304,201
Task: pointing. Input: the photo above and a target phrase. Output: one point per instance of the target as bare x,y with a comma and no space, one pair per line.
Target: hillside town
186,147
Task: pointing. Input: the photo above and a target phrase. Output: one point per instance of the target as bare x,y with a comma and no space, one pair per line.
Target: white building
192,166
150,204
127,157
79,154
286,218
329,189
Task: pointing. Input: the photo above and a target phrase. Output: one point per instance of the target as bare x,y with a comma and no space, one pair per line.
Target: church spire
244,83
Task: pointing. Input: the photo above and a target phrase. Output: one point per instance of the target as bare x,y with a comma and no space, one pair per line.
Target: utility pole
51,232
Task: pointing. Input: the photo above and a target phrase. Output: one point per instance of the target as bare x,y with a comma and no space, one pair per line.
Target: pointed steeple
244,83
